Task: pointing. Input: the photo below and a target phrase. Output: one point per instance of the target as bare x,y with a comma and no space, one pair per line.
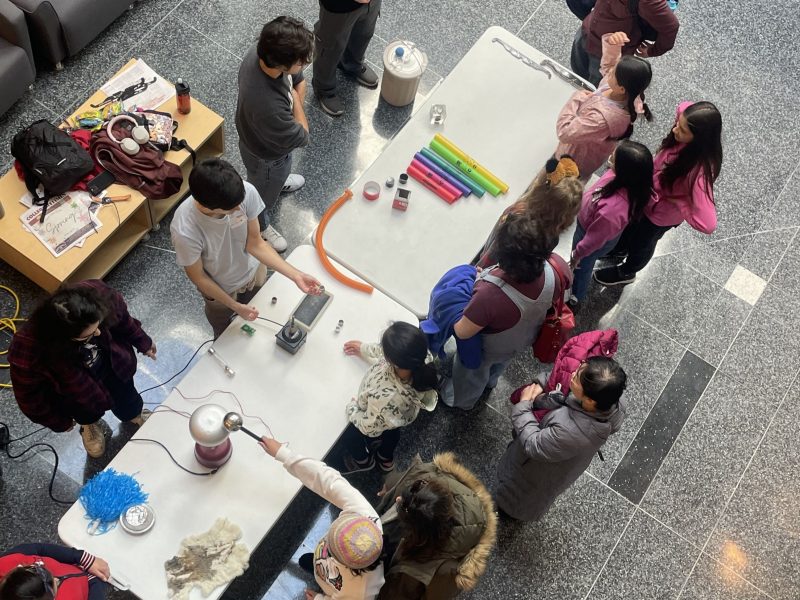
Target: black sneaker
612,276
573,303
365,76
306,562
351,465
332,105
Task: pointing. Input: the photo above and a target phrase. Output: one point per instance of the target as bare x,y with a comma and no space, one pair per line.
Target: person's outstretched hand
100,569
307,283
152,352
270,445
352,348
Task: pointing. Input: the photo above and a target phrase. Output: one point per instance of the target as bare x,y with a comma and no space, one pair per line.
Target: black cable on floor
179,372
28,449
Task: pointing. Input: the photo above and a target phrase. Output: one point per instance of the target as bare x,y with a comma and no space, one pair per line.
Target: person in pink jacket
591,123
618,198
685,169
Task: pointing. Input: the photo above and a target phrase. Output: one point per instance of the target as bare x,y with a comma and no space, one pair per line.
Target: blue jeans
268,177
583,272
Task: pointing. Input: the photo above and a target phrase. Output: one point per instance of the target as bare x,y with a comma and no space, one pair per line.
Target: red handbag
558,324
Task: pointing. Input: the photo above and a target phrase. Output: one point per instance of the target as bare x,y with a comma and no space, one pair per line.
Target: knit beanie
355,541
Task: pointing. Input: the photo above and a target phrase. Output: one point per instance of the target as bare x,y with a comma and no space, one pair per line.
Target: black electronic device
291,337
310,309
100,183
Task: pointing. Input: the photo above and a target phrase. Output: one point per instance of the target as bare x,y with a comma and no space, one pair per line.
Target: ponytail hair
406,347
426,517
634,74
32,582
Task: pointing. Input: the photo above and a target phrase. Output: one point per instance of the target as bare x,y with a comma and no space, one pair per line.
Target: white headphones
139,135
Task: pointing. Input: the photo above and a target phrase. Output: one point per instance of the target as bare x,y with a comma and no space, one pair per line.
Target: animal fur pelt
207,561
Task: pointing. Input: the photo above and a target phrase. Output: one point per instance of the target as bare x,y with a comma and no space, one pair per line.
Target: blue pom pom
106,496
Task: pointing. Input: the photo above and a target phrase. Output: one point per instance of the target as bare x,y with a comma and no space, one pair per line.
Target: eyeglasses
86,338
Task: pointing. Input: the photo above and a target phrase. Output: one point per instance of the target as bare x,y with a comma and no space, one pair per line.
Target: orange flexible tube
363,287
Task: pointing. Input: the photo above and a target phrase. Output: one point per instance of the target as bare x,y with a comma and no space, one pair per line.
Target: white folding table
499,111
301,397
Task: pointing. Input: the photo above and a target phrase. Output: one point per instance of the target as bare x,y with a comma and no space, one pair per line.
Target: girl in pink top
619,197
591,123
686,166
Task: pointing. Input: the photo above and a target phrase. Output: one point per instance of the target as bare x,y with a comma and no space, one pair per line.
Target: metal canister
403,67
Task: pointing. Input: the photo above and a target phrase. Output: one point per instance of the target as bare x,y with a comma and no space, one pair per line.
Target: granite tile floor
696,498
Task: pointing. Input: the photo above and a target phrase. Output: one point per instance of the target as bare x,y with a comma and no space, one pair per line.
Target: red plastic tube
444,194
323,222
436,178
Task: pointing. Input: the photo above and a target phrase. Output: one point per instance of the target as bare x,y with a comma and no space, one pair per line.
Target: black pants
127,402
98,590
639,241
581,62
385,443
341,38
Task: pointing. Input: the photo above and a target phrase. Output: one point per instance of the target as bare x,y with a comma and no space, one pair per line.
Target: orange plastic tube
323,222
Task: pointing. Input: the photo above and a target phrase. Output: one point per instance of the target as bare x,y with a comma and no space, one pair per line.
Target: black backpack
648,33
49,156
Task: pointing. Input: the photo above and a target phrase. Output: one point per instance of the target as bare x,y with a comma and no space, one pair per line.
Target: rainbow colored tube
448,168
471,162
482,181
431,166
436,178
444,194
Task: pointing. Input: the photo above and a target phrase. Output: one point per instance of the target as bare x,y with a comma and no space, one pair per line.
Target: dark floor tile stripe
644,456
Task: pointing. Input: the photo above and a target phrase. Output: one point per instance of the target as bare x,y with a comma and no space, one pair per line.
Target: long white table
499,111
302,399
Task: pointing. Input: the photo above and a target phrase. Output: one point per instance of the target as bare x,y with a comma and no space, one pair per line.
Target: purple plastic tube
443,174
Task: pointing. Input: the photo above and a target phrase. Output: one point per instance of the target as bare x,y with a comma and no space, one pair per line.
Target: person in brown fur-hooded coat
439,529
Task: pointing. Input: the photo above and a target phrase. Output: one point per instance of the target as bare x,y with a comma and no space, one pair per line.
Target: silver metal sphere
206,425
232,421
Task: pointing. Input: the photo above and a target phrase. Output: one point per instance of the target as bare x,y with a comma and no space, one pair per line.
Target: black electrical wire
179,372
204,474
28,449
270,320
22,437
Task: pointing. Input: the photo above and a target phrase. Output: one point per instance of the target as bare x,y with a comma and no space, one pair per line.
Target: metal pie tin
138,519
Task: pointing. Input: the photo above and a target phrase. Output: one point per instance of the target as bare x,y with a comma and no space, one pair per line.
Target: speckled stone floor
697,496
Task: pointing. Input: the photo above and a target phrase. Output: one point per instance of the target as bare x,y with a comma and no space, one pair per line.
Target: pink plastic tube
414,172
439,181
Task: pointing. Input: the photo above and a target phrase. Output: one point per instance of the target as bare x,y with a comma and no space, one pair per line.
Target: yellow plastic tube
472,162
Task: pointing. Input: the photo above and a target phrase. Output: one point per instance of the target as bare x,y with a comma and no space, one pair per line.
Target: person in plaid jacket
74,359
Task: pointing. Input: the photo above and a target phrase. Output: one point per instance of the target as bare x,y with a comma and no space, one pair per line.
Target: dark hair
284,41
406,347
705,123
66,314
634,74
214,183
522,247
633,172
603,380
425,513
25,583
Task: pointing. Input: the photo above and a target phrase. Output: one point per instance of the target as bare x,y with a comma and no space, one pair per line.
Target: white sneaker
274,239
293,183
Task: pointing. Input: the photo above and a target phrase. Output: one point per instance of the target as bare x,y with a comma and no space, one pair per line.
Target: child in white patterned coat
401,379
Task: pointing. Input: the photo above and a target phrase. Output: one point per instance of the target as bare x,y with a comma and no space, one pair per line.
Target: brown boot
143,416
93,439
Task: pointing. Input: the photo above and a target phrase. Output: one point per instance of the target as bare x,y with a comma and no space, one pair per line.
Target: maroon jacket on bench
48,388
610,16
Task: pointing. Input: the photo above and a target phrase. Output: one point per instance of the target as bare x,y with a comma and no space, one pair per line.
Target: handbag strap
562,280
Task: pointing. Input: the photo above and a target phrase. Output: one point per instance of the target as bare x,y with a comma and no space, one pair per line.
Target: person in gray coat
547,455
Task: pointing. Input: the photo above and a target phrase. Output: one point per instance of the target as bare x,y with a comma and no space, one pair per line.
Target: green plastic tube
446,166
447,155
